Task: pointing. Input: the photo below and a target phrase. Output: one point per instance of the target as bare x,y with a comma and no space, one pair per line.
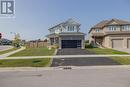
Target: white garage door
117,43
128,43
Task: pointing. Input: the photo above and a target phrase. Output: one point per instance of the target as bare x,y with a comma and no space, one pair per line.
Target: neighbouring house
66,35
112,33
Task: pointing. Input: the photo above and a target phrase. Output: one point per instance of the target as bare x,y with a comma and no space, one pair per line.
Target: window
70,28
113,28
97,30
126,28
73,27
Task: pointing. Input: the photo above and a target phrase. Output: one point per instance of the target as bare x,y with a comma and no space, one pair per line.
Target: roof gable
101,24
112,23
104,23
117,22
71,21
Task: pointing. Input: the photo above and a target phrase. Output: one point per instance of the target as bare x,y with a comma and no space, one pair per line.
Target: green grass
122,60
43,62
34,52
7,51
105,51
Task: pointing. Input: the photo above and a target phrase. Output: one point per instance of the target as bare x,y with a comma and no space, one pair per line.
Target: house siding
72,37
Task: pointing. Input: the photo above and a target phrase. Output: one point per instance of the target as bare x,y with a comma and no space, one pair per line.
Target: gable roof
101,24
107,22
69,21
120,22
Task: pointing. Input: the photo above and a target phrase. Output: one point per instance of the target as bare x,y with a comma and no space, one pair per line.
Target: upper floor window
113,28
98,30
70,28
126,28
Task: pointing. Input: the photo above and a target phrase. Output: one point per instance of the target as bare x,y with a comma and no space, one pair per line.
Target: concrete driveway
123,50
80,61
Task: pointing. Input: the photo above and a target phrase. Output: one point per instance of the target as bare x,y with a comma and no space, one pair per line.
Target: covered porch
97,40
53,40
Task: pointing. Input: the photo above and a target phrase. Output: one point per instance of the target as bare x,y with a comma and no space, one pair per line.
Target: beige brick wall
108,40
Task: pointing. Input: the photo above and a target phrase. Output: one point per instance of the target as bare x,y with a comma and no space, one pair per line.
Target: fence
36,44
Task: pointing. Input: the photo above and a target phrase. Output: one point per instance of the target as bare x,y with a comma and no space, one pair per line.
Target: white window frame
97,30
112,28
71,29
126,28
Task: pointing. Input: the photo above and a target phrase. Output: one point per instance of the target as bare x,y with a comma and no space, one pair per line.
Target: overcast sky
34,17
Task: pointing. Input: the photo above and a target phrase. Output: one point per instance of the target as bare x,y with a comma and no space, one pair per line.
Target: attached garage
71,43
128,43
117,43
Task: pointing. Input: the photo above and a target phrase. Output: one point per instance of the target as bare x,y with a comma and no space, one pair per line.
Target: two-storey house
66,35
113,33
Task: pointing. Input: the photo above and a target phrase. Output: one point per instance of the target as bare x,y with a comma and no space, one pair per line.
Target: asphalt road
104,77
2,48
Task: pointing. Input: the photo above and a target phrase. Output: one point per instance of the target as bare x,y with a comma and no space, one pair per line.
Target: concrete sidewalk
58,56
3,56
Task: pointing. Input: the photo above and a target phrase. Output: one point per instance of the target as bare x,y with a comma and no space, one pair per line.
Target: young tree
17,40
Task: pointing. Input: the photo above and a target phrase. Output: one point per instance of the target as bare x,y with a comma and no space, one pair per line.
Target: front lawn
7,51
34,52
122,60
105,51
25,62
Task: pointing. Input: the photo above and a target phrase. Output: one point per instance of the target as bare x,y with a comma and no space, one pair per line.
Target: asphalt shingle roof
106,22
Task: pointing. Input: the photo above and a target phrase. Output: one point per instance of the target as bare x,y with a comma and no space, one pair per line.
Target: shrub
88,45
56,46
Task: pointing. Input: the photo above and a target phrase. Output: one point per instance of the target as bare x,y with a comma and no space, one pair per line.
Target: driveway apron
93,61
